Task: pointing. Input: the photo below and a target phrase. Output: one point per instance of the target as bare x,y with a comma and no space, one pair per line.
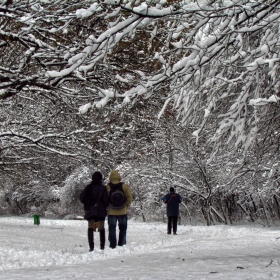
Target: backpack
117,197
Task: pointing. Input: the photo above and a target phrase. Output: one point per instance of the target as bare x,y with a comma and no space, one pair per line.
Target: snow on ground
58,249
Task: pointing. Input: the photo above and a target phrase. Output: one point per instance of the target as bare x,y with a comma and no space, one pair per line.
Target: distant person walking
95,200
120,199
172,200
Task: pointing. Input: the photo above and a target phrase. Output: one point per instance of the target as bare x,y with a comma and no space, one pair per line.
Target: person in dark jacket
172,200
95,193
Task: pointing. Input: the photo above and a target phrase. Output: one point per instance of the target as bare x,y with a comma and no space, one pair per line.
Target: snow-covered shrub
50,215
3,206
71,189
33,197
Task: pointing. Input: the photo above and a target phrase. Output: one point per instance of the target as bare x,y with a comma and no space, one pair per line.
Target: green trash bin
37,220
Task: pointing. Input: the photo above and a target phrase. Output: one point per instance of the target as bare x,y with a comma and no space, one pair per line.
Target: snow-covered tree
215,58
72,71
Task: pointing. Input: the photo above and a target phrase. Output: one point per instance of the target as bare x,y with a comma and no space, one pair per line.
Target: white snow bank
58,249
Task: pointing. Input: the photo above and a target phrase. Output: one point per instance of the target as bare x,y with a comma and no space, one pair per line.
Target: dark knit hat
97,178
172,189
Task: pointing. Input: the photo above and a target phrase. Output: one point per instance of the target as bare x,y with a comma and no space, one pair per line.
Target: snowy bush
33,197
71,189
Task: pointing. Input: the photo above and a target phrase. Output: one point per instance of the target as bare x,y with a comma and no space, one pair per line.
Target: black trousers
172,223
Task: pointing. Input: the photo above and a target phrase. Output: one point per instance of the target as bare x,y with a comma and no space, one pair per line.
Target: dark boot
102,239
169,225
175,221
90,239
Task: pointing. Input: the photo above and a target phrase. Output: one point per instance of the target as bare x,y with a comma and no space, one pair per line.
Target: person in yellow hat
120,199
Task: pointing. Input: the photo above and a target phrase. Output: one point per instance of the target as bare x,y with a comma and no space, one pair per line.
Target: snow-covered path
57,249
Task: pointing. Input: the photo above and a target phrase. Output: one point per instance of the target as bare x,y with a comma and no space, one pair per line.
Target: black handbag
93,213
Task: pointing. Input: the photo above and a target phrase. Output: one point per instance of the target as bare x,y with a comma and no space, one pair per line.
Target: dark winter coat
172,200
89,198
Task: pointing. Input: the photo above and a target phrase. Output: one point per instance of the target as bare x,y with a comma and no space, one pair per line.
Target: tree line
175,92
